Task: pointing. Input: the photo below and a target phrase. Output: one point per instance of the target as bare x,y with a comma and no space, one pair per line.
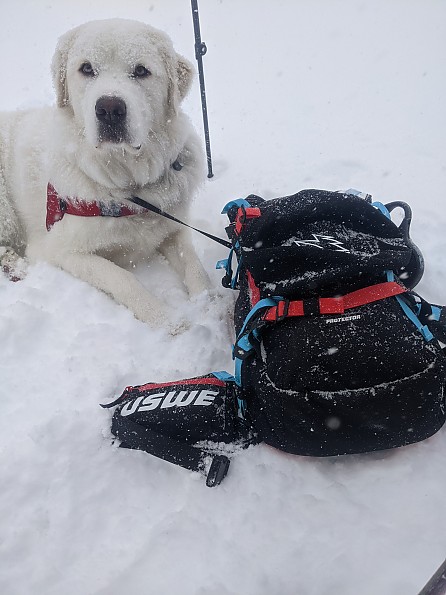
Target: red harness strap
57,207
336,305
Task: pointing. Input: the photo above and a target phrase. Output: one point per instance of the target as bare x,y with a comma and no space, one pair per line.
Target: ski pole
200,51
437,584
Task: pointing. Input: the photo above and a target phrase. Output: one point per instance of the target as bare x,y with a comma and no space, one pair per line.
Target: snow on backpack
334,352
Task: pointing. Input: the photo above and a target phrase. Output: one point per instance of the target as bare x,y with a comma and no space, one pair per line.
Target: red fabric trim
57,207
204,381
254,291
337,305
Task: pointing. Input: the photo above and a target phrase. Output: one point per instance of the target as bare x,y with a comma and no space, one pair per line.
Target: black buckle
241,353
311,307
240,221
217,471
242,217
283,308
227,280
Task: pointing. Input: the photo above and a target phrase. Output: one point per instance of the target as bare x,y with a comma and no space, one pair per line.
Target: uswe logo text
169,399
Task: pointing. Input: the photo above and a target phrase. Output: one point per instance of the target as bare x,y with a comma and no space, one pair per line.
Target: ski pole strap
141,438
147,205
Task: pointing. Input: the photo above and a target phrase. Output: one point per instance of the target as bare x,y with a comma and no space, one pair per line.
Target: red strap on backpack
335,305
245,213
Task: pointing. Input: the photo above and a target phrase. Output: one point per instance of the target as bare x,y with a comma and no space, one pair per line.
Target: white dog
117,131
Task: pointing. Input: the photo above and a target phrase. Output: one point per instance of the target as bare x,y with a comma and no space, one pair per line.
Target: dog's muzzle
111,116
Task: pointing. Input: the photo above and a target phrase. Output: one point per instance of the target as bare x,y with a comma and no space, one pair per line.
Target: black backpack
334,352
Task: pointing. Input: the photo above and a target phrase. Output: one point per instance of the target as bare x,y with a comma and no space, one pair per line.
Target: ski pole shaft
200,51
437,584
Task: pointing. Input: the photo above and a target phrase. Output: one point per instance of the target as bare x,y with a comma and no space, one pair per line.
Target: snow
327,94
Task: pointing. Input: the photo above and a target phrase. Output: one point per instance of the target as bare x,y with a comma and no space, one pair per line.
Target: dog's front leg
120,284
182,257
11,235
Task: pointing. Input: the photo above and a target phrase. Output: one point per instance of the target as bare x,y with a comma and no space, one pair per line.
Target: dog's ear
185,76
181,74
59,66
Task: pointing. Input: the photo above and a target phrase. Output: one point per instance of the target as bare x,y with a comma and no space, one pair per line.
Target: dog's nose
110,110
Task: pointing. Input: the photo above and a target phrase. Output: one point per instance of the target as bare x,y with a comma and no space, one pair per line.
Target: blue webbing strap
265,303
436,312
243,343
225,376
240,202
238,371
226,263
234,280
424,330
382,208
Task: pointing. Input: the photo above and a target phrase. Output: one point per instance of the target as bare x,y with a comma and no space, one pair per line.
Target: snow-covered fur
83,156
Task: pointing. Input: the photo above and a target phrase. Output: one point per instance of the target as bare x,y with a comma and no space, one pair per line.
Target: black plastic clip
282,310
218,470
227,280
311,306
241,353
200,49
242,216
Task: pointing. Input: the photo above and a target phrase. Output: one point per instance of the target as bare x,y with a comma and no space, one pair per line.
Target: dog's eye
141,71
87,69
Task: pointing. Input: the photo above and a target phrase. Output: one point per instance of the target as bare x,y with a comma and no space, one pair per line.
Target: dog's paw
208,296
178,327
12,265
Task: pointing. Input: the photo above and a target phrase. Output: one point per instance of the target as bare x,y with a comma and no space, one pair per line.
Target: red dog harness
57,207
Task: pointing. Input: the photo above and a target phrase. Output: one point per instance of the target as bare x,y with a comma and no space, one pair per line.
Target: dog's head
122,80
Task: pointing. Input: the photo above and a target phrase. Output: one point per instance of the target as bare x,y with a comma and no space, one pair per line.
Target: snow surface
327,94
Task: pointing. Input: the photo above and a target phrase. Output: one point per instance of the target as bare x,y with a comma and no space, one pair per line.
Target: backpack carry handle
413,271
404,226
